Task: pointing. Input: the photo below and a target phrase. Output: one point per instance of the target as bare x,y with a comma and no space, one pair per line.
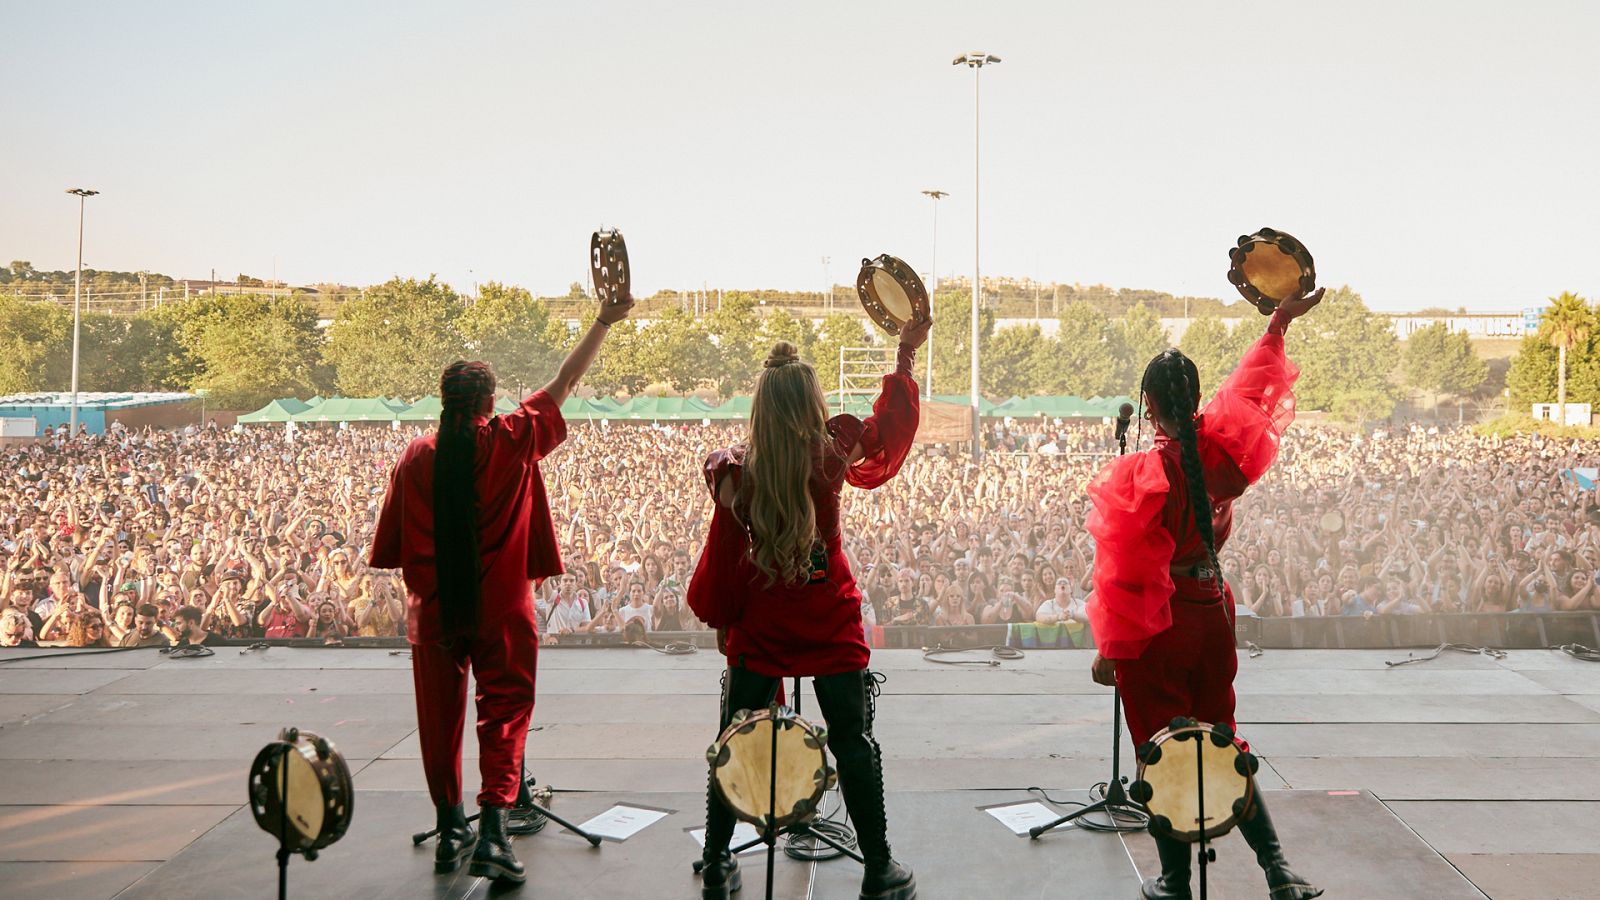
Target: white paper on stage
621,822
1019,817
743,833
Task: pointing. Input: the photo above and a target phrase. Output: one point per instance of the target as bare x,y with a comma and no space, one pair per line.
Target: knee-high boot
1258,832
847,704
1173,882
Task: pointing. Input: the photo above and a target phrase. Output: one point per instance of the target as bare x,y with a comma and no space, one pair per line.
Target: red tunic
1141,521
515,537
813,628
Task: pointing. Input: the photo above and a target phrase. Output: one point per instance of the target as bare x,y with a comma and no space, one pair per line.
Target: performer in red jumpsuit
467,521
774,579
1161,613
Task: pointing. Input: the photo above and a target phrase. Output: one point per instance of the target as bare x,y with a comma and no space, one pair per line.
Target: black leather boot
847,705
494,858
1282,884
456,838
1173,882
720,877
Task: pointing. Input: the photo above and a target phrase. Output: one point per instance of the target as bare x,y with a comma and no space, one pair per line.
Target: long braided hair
1172,383
466,390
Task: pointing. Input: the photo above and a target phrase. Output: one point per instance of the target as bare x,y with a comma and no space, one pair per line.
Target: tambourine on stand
301,793
1195,797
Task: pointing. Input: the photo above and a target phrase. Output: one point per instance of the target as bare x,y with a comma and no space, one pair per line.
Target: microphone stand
1114,802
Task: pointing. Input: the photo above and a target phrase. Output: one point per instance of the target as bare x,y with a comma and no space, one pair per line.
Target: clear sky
1429,153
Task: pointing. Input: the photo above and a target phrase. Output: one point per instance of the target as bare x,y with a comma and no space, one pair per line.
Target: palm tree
1566,323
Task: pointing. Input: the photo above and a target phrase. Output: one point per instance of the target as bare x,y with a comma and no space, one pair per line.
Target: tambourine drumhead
303,799
1332,521
741,767
301,791
1168,785
608,265
891,292
1269,267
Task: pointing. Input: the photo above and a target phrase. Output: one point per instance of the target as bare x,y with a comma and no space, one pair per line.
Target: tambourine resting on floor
1170,768
891,292
742,767
608,266
1269,267
301,791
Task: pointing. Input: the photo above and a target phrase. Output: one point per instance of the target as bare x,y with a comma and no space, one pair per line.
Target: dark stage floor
124,775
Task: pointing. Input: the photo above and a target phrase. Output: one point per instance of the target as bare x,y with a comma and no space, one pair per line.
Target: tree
1081,362
1135,339
1018,361
510,330
782,325
1565,324
36,344
952,342
1533,374
676,350
737,327
253,349
1214,348
1342,348
1441,362
838,331
395,340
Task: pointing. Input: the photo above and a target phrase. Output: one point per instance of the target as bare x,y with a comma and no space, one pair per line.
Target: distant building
27,415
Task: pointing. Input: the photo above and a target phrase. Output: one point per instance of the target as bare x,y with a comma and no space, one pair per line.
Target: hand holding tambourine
613,277
1273,270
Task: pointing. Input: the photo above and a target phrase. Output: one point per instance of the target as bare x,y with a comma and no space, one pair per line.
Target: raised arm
887,435
582,356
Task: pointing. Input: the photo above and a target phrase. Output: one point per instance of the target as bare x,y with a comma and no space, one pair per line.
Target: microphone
1124,414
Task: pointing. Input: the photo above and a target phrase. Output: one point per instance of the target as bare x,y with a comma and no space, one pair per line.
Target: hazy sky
1429,153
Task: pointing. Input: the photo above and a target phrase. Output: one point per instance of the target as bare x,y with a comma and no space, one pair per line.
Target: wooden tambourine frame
891,292
1167,783
608,266
301,791
742,768
1270,266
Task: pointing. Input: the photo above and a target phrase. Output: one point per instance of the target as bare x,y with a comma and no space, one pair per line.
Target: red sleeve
386,538
721,578
1132,555
887,435
1254,406
535,427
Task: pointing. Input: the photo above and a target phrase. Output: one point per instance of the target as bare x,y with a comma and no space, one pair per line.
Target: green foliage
1522,423
1565,325
510,330
253,349
738,328
396,340
952,342
1135,339
1532,376
36,344
1081,355
782,325
1345,353
836,332
1215,349
1441,362
676,350
1017,360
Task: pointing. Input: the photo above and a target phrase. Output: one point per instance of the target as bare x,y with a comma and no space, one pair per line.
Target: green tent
986,408
315,400
675,409
735,408
424,410
590,408
348,409
277,411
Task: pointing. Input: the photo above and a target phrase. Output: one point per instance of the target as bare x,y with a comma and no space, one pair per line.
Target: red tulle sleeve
1132,555
721,578
1253,407
887,435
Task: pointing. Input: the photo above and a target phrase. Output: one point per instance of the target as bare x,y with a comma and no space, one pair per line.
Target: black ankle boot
1173,882
494,858
720,877
456,838
1282,884
886,879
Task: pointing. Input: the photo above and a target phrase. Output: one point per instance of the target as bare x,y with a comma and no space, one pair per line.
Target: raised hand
1299,304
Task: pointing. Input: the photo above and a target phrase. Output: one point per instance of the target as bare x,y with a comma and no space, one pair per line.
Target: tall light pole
936,195
976,61
83,195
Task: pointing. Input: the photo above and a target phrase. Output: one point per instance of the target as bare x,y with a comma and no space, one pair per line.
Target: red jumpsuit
1172,637
518,544
814,628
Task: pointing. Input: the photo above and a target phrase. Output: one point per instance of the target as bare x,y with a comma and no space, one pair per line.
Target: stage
1461,777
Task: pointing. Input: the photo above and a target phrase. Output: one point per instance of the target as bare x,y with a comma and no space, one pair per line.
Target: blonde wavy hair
788,422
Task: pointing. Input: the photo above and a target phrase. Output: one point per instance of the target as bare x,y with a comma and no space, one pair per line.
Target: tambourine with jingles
1269,267
1172,766
742,767
1331,522
301,792
608,266
891,292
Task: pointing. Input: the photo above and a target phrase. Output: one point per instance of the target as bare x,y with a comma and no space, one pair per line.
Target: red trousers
1186,670
504,659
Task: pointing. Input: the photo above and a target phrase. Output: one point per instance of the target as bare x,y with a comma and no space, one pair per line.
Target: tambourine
1269,267
301,791
1331,522
608,266
891,292
742,769
1170,766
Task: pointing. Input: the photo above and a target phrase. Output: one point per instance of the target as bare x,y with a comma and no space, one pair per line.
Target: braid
1173,382
462,391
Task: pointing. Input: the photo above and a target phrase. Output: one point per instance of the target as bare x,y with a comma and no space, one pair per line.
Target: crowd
163,537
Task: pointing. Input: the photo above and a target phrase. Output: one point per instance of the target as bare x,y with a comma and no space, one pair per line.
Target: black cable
997,652
670,648
83,652
188,651
1122,820
1578,651
1460,648
808,849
